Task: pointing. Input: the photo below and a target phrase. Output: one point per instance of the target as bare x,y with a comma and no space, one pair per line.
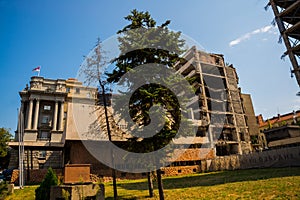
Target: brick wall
35,175
181,170
193,154
37,159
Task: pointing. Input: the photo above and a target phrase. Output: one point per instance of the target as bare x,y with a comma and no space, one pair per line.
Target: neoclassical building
57,116
43,105
46,107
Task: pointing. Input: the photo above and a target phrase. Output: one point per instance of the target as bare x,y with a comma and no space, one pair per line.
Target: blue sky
56,34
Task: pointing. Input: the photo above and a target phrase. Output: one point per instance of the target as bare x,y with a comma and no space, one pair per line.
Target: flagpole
19,144
21,148
38,70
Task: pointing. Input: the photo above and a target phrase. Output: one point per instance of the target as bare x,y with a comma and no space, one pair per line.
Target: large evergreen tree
135,42
137,38
142,42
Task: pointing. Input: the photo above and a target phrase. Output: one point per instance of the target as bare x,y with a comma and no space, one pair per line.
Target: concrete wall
285,157
250,115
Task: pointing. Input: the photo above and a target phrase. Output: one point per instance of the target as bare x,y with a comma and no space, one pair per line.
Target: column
61,117
36,114
21,114
55,116
22,106
29,116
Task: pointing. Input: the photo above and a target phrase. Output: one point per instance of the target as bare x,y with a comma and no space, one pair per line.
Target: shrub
3,190
43,191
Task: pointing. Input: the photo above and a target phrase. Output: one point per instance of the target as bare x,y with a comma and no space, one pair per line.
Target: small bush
43,191
65,194
3,190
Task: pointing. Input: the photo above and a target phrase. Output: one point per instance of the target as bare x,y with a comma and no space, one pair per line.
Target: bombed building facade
58,115
225,112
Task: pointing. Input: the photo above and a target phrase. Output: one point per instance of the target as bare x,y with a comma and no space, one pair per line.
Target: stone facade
78,192
45,123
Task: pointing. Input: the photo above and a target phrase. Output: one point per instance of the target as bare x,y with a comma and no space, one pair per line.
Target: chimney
260,119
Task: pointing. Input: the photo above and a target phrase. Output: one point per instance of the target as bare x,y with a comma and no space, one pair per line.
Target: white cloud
297,101
266,29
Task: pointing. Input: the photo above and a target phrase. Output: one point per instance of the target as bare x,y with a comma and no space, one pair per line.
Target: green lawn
25,194
281,183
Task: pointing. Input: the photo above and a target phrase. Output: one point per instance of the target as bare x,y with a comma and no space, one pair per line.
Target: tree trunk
160,185
115,184
150,184
109,138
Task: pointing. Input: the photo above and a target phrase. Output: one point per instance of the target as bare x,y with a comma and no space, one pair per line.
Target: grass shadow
217,178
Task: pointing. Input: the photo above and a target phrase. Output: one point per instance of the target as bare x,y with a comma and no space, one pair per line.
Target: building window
88,95
47,107
43,154
122,126
242,136
45,119
217,61
77,90
68,90
201,132
44,135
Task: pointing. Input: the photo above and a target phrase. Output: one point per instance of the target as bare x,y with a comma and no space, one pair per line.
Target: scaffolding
287,18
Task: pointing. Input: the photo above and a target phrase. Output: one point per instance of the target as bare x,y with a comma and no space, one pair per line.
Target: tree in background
92,74
4,148
143,42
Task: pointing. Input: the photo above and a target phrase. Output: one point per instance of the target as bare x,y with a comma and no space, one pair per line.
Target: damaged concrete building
226,115
53,136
